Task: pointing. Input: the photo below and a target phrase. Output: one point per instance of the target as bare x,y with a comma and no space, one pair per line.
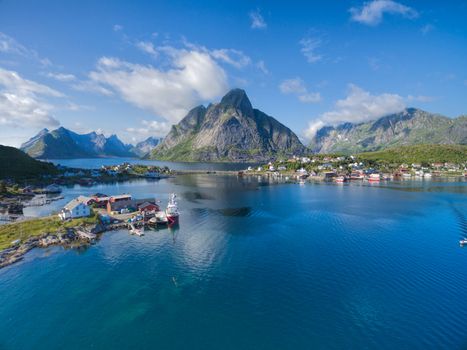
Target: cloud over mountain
358,106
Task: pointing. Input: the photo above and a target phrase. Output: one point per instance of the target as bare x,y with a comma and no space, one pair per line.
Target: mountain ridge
231,130
412,126
64,143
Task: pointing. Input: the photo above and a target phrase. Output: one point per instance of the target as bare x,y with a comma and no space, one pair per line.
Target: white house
77,208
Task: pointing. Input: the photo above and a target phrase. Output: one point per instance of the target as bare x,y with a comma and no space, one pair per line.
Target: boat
340,179
406,175
357,175
463,242
427,175
374,178
160,218
171,212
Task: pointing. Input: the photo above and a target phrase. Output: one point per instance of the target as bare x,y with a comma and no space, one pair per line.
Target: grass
36,227
419,154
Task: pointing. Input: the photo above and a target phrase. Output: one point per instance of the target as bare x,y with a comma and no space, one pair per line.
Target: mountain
63,143
20,165
145,147
231,130
409,127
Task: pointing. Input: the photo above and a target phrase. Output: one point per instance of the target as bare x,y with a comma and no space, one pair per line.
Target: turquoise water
255,265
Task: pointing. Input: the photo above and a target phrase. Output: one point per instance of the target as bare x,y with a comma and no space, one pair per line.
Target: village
83,219
345,168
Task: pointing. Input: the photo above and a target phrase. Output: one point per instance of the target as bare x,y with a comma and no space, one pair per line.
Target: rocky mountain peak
238,99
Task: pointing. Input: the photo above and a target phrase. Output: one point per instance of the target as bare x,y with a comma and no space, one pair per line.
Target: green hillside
419,154
18,165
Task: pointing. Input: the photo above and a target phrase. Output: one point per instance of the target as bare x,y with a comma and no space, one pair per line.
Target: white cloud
359,106
427,28
91,86
21,103
192,77
257,20
262,67
61,76
233,57
10,46
297,87
372,12
147,47
117,27
149,128
309,46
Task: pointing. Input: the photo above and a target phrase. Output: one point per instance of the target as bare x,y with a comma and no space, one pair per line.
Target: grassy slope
419,154
37,227
18,165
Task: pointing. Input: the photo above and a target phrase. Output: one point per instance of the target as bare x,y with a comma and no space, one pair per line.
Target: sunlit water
255,266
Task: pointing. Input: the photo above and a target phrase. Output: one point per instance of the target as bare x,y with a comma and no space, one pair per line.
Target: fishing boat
171,212
374,178
160,218
463,242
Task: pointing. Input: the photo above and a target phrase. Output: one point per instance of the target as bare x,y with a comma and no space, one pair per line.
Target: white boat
374,177
427,175
463,242
340,179
160,218
171,212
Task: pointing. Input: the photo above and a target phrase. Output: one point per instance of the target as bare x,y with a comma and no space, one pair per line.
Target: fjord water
255,265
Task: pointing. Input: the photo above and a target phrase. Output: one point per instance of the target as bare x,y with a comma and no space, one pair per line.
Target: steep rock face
63,143
231,130
145,147
409,127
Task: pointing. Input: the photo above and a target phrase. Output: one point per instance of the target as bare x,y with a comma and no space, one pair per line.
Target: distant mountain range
231,130
409,127
63,143
143,148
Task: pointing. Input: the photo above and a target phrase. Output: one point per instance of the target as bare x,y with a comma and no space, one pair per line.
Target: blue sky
135,68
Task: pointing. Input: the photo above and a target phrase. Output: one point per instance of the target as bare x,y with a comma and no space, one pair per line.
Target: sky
134,68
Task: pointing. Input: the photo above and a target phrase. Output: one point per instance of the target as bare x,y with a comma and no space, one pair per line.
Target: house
130,205
148,207
77,208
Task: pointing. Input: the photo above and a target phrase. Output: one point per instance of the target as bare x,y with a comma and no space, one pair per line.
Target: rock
231,130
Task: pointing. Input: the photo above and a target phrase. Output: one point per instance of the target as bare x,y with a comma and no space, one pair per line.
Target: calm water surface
95,163
255,266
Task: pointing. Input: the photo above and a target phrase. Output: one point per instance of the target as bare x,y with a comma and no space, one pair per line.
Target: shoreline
67,236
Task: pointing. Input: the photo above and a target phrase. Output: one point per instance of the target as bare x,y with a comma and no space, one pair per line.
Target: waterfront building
77,208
